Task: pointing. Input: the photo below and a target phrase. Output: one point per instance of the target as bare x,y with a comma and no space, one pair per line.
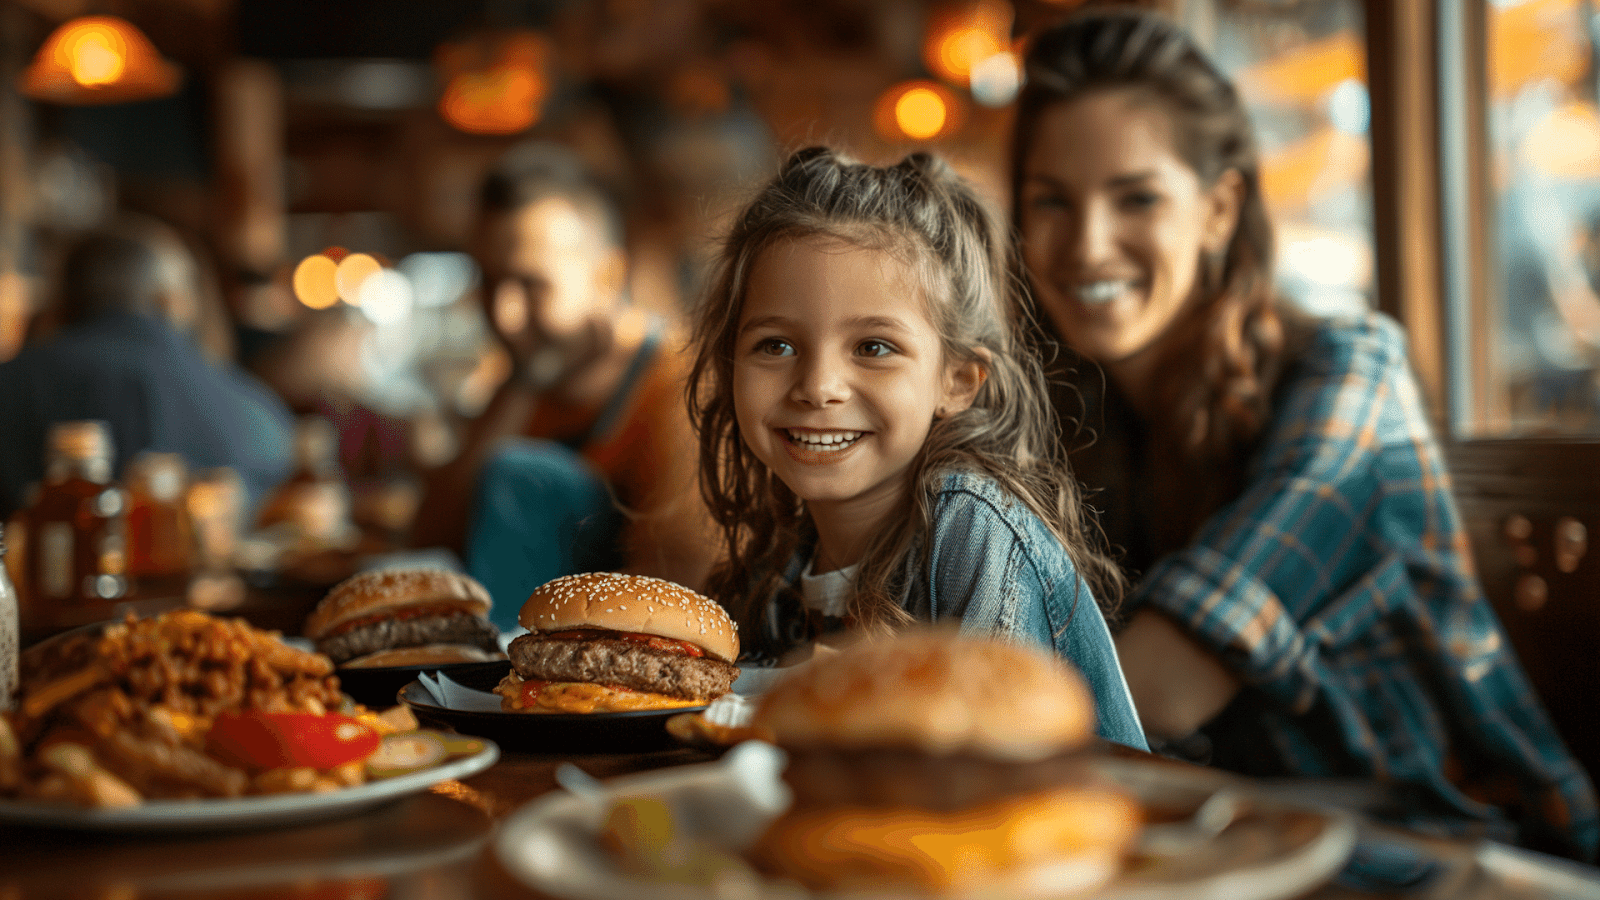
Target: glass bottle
313,506
160,534
77,560
10,633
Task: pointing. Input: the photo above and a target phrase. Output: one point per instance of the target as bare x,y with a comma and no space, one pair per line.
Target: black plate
618,732
378,687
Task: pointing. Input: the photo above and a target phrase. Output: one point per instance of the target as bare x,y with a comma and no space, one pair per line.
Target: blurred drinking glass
215,503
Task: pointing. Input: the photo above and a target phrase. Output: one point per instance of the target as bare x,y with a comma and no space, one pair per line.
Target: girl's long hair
1227,349
926,215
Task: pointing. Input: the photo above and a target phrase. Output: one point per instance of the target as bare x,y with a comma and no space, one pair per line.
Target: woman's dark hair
924,214
1234,330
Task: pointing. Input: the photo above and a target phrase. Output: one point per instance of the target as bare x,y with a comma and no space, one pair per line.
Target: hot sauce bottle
160,535
76,568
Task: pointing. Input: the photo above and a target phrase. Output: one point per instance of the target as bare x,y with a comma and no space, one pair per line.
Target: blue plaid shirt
1340,586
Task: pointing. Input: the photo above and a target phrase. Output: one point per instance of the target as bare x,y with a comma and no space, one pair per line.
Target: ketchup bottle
76,568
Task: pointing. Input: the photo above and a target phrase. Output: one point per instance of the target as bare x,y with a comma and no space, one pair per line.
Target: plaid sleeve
1299,538
1346,530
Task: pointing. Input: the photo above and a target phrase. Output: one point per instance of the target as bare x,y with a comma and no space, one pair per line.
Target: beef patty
622,663
456,628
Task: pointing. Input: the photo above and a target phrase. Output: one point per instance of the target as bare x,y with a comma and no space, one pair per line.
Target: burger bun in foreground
941,763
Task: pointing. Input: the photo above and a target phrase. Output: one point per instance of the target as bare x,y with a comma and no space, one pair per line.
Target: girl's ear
1223,202
963,379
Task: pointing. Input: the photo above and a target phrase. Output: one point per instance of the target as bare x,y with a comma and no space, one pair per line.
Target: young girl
873,441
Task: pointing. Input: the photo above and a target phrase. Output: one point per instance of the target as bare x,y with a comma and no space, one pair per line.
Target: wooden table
439,844
436,844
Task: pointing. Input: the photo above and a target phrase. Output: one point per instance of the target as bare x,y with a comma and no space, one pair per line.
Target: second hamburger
607,642
406,616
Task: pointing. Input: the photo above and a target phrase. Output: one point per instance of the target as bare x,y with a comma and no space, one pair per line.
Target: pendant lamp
98,59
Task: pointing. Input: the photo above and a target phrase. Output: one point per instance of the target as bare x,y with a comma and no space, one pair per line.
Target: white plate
245,812
1269,852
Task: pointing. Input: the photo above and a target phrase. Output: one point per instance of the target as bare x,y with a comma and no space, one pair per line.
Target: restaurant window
1540,372
1301,67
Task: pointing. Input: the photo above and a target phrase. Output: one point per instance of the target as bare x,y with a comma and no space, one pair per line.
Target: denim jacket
996,567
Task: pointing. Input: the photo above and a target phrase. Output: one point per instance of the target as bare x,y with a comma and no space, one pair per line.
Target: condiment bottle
160,535
314,503
10,633
77,562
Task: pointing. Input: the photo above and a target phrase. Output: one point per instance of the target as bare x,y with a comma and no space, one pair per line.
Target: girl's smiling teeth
1099,293
824,440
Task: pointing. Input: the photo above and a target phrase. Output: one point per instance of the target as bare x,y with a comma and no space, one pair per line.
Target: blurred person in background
125,348
583,459
1305,601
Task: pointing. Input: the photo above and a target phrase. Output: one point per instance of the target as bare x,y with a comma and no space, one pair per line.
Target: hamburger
606,642
412,616
941,764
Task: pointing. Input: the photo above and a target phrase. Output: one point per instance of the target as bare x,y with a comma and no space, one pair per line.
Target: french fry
41,700
87,781
151,764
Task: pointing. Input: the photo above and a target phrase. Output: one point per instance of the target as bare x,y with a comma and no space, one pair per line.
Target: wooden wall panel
1533,511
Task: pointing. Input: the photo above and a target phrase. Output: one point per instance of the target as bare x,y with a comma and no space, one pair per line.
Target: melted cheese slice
517,695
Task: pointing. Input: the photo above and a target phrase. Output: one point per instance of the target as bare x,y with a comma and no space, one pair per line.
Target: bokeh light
917,111
386,296
494,84
962,35
920,113
316,281
352,273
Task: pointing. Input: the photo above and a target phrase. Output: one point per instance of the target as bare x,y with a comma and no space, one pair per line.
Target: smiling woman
1305,599
873,440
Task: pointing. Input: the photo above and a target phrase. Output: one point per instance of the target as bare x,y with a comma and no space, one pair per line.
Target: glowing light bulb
97,56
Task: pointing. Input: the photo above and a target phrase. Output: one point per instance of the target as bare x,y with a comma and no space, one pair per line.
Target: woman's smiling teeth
825,440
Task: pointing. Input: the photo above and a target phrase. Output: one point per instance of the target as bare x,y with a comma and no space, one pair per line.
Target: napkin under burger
943,764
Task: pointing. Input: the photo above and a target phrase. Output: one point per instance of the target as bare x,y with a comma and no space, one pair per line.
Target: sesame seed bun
633,603
390,590
937,691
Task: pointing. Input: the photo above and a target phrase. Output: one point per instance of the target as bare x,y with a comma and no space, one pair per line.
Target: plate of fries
245,812
185,721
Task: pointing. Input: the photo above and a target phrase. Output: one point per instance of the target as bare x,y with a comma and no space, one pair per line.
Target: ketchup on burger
607,642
